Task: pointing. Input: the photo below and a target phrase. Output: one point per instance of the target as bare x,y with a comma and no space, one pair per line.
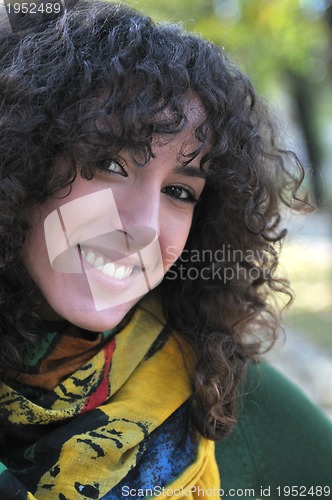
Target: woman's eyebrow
191,171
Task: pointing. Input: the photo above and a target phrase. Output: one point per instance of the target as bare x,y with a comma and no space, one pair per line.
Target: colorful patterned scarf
108,422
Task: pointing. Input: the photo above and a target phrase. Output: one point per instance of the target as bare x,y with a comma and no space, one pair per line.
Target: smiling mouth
118,271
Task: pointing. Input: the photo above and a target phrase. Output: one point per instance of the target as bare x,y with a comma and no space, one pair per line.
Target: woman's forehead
192,108
173,127
194,116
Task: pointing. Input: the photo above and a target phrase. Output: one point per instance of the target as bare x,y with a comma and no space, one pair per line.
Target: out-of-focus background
285,46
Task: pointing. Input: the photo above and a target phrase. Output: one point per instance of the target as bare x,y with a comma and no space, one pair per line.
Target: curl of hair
97,78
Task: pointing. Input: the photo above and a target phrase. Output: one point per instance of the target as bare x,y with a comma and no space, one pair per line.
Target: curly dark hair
60,82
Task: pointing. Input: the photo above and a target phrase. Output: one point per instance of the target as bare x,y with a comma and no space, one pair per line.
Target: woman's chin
88,317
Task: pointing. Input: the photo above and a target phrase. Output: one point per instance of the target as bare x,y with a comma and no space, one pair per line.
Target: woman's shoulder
281,439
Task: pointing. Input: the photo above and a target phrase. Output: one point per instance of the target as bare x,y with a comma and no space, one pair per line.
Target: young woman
141,189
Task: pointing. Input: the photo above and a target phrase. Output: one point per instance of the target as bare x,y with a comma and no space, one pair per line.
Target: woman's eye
112,166
180,193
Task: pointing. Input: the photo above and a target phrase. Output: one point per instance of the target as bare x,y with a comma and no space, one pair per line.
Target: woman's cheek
173,243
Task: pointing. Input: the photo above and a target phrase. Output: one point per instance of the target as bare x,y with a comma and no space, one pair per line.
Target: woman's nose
142,210
140,218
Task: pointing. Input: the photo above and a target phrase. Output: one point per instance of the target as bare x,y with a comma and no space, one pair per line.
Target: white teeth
119,273
128,272
98,263
110,269
90,257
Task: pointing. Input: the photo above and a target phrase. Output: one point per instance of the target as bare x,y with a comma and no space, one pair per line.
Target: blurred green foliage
263,36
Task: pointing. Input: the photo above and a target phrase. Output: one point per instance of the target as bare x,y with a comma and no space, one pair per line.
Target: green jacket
281,446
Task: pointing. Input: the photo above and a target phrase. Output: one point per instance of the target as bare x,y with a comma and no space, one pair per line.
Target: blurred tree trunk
304,98
328,16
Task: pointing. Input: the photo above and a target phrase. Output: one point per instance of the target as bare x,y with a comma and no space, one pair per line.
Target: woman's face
94,253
